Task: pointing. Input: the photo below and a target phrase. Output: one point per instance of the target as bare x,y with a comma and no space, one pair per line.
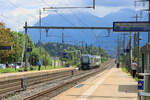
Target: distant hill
96,37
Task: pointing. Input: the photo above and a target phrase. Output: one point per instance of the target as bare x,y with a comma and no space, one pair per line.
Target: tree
35,57
6,39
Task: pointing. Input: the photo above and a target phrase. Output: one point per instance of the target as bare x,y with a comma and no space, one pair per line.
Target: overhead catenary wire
64,17
11,3
78,18
63,8
59,15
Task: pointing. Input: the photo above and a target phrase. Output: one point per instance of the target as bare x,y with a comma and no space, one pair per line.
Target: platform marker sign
5,48
131,26
64,55
140,85
126,50
29,49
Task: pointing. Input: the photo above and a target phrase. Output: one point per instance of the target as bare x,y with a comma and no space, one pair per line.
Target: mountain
95,37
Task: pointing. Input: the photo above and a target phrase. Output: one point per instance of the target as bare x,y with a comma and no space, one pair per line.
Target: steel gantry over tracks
26,27
63,27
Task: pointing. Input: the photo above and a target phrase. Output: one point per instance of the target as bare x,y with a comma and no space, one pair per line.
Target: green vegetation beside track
35,68
124,69
49,54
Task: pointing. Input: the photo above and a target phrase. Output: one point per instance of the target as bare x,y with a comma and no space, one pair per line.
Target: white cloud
16,12
16,18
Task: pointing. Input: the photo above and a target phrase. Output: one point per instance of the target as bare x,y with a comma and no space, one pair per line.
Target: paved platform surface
17,75
112,84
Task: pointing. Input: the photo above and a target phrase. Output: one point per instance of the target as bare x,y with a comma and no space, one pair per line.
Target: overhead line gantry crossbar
47,8
66,7
62,27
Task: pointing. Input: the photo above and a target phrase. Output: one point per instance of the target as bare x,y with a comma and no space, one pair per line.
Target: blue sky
115,3
16,12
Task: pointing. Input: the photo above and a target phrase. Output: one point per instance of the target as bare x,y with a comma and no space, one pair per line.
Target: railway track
10,87
46,94
64,78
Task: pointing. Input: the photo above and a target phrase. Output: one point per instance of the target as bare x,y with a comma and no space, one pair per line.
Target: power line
66,8
79,20
14,5
44,2
65,18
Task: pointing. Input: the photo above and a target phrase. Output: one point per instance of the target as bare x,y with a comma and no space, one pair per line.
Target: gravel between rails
30,92
43,87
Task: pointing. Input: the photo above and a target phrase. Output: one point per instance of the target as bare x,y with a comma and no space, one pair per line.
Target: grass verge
124,69
35,68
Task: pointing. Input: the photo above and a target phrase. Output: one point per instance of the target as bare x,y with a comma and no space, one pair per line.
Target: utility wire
61,15
79,20
14,5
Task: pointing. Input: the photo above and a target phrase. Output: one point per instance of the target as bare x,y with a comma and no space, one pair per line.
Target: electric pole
26,39
118,49
124,41
149,21
63,42
137,42
82,51
16,58
55,55
130,46
124,47
40,23
148,14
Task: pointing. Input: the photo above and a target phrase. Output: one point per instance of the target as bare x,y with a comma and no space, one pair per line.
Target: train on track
90,61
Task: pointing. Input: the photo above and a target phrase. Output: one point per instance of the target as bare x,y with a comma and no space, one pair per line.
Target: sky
15,12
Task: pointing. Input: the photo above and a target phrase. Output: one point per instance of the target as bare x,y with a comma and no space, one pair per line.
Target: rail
67,82
12,86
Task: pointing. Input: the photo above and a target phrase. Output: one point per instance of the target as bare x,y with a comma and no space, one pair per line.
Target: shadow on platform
128,88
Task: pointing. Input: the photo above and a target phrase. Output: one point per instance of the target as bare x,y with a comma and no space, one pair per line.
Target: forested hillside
71,53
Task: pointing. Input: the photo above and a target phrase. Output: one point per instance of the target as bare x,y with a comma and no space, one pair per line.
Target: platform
18,75
112,84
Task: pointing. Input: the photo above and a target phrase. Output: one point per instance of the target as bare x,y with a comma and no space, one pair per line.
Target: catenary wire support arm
46,8
40,23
